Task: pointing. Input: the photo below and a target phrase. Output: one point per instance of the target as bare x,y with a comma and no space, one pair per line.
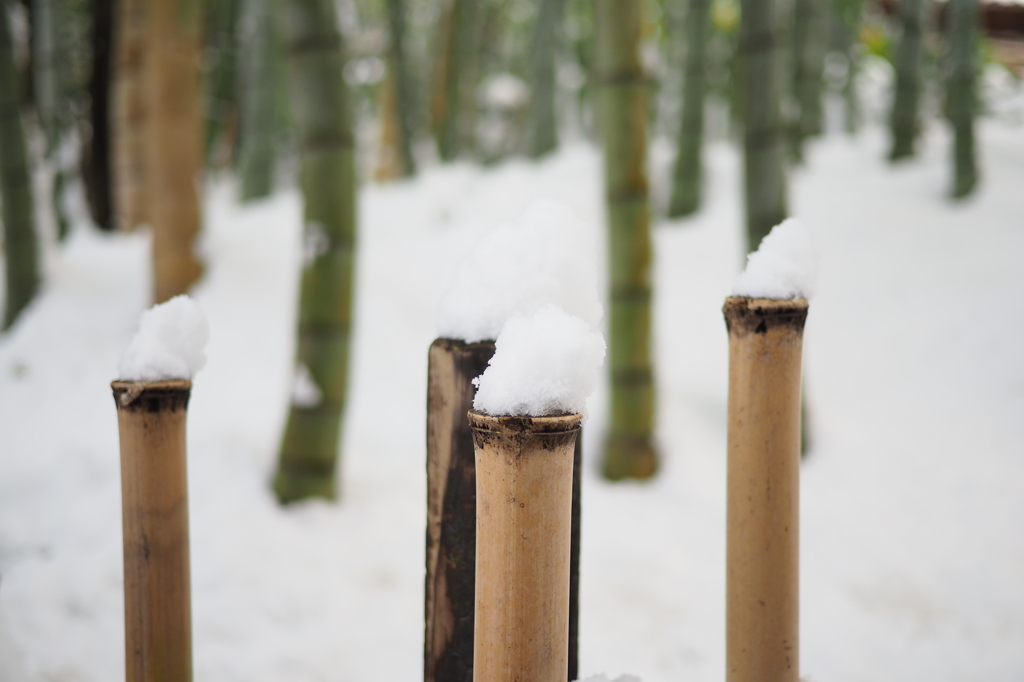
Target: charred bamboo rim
745,316
505,424
171,394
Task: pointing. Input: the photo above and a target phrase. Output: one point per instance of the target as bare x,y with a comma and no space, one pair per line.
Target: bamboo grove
137,102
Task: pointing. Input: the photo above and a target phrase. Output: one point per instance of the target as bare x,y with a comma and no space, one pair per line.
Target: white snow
545,256
169,343
305,391
544,364
911,542
784,266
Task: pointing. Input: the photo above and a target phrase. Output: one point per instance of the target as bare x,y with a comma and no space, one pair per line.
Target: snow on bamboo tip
546,256
169,343
785,265
544,364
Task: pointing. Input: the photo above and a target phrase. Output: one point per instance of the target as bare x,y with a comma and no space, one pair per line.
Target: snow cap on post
169,343
784,267
544,364
546,256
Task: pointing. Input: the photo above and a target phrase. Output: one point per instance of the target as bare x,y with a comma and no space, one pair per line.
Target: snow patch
544,257
169,343
785,265
543,364
305,391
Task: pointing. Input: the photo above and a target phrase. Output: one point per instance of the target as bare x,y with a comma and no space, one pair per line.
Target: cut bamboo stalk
154,499
451,516
762,545
524,472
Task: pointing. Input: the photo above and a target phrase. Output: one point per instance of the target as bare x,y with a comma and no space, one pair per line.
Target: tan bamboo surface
154,499
174,142
524,473
763,510
129,116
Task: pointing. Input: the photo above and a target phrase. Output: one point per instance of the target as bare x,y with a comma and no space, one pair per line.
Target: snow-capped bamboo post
525,421
524,469
506,275
152,404
765,318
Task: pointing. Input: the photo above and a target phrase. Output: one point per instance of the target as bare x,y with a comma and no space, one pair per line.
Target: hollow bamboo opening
762,544
154,496
524,474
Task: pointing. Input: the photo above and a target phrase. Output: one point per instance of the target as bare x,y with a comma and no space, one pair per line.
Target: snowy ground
912,501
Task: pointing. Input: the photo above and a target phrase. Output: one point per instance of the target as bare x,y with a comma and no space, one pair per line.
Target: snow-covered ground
912,498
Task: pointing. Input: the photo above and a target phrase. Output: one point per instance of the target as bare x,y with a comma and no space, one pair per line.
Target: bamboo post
451,516
762,546
154,499
524,472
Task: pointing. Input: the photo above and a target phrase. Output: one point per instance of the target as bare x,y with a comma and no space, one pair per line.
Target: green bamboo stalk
810,31
687,178
542,125
622,101
327,177
903,120
848,15
962,37
461,74
764,156
20,244
49,89
222,18
257,95
404,98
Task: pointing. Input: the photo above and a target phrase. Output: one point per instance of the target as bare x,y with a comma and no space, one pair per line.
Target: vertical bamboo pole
763,512
451,516
129,116
154,499
524,469
174,142
961,91
906,101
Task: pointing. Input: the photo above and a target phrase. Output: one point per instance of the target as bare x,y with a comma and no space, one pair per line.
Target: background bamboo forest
313,172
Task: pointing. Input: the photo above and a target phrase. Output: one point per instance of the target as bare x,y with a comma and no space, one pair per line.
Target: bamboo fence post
763,513
451,516
154,498
524,468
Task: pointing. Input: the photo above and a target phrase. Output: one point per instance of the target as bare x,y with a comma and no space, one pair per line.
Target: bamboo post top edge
745,315
126,392
559,423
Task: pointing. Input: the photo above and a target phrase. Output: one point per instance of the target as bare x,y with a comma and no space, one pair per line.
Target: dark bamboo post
154,502
524,468
451,516
763,511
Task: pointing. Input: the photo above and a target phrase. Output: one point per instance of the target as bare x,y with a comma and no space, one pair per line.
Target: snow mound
545,257
785,265
169,343
543,364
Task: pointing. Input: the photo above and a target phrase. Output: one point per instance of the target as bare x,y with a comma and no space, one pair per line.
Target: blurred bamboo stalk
456,75
961,91
906,102
258,92
401,87
810,34
174,142
622,83
320,111
220,79
764,136
687,178
130,116
20,240
542,124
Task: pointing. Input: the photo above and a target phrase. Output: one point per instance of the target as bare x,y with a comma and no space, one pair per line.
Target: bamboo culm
20,240
761,87
810,32
99,180
404,102
961,94
542,124
687,178
130,117
221,57
903,120
628,450
258,98
320,112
